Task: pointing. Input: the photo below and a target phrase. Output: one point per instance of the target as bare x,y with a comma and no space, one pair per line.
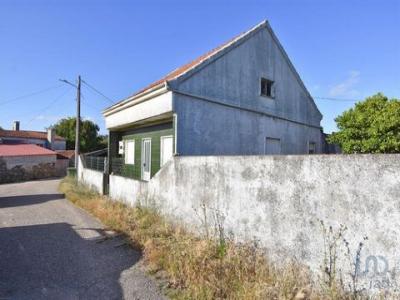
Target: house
20,162
242,98
67,155
47,139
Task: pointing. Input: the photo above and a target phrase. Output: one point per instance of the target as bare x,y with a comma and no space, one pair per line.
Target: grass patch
199,268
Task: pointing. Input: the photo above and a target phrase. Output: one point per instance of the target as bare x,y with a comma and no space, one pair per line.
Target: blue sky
342,49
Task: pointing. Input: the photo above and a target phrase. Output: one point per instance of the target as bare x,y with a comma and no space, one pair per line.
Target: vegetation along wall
296,207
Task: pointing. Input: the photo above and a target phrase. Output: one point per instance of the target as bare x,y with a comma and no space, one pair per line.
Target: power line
50,105
30,95
336,99
98,92
89,105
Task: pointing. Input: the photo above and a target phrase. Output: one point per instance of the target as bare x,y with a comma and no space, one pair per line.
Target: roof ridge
24,150
20,133
223,46
183,69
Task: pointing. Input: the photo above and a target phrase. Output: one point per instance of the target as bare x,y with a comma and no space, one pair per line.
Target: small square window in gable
267,88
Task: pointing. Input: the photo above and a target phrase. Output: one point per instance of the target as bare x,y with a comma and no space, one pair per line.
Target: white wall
280,200
156,106
125,189
92,178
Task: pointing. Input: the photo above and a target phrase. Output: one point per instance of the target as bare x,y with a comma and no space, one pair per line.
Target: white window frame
126,161
162,162
146,178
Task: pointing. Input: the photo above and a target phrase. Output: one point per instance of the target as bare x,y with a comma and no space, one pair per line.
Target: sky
343,49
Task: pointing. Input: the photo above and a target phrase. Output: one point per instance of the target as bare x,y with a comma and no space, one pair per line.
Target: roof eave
133,100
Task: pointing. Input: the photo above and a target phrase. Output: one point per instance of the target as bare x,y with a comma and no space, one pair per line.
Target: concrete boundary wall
282,201
93,179
125,189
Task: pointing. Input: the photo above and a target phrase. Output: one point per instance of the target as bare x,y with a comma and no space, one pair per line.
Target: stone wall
21,168
61,167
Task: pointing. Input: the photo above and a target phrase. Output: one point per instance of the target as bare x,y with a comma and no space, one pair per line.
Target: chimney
16,126
50,137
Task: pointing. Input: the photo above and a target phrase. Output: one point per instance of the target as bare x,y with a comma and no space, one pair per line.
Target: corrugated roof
24,150
28,134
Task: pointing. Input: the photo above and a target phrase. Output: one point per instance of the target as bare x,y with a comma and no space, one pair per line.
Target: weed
203,267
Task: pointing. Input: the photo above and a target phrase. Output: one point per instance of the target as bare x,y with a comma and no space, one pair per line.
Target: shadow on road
13,201
52,261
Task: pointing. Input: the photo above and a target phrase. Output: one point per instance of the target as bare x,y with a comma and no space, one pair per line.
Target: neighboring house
67,155
47,139
242,98
20,162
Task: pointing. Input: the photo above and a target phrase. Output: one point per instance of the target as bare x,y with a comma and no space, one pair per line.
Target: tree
90,140
372,126
103,141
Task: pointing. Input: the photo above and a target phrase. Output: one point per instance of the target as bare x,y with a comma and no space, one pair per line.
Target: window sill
268,97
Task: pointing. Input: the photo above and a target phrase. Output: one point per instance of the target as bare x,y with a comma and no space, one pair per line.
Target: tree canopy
90,139
372,126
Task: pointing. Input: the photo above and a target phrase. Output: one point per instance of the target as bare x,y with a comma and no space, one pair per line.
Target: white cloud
48,118
347,87
315,87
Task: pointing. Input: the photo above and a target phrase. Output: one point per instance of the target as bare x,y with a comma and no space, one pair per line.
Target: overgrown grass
199,268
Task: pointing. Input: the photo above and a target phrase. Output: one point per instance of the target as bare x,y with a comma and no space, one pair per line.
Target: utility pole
78,117
78,121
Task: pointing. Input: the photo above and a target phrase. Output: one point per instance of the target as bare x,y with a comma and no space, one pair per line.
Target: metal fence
95,163
118,167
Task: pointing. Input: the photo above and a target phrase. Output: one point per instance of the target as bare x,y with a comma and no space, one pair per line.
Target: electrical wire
85,102
30,95
98,92
50,105
336,99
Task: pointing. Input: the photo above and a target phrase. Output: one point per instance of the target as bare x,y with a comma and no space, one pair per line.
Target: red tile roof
183,69
65,154
187,67
27,134
24,150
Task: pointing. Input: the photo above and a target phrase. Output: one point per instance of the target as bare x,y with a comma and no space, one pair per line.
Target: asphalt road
50,249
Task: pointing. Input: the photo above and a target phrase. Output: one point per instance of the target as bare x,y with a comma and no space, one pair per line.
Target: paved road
50,249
